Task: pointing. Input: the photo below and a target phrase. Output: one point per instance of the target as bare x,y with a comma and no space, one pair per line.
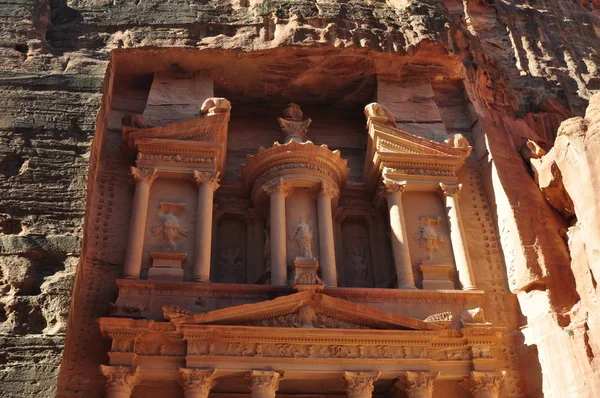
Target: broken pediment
300,310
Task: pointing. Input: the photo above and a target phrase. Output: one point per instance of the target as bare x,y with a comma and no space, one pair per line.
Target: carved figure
215,105
375,110
170,228
357,266
230,264
472,316
292,125
428,238
303,237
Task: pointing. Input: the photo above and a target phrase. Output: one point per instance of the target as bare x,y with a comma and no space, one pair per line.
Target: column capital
119,378
199,380
450,189
418,384
264,382
206,177
391,186
143,174
484,385
328,190
360,383
277,185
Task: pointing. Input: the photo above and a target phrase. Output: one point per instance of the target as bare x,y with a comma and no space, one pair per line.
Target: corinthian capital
143,174
391,186
484,385
277,185
206,177
360,384
450,189
197,380
419,384
119,378
328,190
264,383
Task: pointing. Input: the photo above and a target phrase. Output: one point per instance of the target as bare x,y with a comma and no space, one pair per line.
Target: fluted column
457,236
326,240
277,190
120,380
418,384
400,248
196,383
207,185
360,384
484,385
143,178
264,383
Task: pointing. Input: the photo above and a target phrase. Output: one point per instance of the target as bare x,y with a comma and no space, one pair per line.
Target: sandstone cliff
526,65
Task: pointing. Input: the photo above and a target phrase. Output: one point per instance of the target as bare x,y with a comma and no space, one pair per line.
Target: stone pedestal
167,266
437,277
264,383
120,380
305,275
360,384
196,383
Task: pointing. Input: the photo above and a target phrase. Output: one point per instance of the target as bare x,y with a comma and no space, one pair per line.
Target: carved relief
450,189
276,185
441,317
205,177
356,254
379,112
303,238
169,226
143,174
230,264
484,385
473,316
212,106
428,238
292,125
264,383
419,384
391,186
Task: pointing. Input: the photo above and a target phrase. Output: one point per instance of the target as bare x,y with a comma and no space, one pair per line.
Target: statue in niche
357,266
231,265
292,125
428,238
169,226
303,237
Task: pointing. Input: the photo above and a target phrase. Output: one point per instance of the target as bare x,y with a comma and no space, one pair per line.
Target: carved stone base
305,275
437,277
166,266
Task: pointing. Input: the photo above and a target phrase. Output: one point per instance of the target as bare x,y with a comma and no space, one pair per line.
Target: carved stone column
196,383
418,384
326,239
457,236
120,380
484,385
360,384
144,178
277,190
264,383
207,185
400,248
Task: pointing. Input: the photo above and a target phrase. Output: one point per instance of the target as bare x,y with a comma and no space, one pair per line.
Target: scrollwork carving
419,384
277,185
450,189
360,383
143,174
119,378
197,380
206,177
484,385
391,186
264,383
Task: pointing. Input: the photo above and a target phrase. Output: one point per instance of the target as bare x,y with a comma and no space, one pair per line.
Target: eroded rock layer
523,66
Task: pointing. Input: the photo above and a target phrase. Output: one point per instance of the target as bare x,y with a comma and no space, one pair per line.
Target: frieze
292,166
176,158
421,172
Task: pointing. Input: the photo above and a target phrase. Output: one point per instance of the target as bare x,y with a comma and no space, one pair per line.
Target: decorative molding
277,185
143,174
328,190
119,378
175,158
441,317
450,189
391,186
360,383
484,385
199,381
205,177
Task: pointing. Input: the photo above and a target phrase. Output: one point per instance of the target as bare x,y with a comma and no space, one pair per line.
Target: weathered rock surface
526,65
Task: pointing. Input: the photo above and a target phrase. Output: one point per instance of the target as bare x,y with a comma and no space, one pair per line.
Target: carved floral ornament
450,189
360,383
205,177
418,383
143,174
119,378
483,384
264,381
200,380
391,186
328,190
277,185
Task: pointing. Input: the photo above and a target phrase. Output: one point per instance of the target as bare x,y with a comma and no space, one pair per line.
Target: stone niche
300,206
230,259
358,266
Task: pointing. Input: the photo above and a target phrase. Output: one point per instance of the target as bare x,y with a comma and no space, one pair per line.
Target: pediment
394,140
204,129
300,310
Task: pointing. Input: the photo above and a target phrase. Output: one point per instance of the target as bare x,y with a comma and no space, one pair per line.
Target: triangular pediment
300,310
205,129
394,140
